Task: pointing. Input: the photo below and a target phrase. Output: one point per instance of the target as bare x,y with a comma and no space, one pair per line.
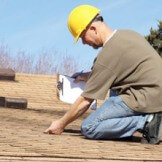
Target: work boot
152,131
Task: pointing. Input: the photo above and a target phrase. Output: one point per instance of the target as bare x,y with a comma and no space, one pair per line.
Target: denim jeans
113,119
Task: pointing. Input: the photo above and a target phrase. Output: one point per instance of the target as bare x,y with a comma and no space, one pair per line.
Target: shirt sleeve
99,82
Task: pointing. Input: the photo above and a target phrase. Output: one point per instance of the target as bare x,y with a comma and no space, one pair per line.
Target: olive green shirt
128,64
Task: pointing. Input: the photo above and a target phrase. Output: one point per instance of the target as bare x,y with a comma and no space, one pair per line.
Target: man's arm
80,106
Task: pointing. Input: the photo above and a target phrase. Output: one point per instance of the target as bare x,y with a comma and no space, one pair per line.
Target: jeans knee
85,132
88,132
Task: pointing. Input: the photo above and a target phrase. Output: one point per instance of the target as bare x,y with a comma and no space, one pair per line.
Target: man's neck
109,37
106,32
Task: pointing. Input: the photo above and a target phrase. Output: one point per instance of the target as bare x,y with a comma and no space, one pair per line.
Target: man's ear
93,28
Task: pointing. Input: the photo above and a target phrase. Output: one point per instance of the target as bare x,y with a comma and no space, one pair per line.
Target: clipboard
68,91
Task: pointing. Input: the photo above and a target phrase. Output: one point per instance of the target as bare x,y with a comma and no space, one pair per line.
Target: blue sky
36,25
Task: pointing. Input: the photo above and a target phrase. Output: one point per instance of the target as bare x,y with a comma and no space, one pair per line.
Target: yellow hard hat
80,18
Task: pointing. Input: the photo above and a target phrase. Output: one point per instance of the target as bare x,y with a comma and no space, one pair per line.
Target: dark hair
98,18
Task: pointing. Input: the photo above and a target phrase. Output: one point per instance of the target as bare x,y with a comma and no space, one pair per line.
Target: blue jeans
113,119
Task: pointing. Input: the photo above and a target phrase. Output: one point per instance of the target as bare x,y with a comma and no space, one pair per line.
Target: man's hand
80,77
55,128
79,107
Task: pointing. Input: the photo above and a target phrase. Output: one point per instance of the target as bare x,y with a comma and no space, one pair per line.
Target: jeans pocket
127,108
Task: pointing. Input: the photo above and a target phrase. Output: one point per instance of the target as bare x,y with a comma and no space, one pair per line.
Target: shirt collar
110,37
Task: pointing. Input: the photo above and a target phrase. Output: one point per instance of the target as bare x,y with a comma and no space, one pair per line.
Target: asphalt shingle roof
22,138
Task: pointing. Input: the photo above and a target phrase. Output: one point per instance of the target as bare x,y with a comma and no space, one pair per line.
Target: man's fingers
76,80
46,131
75,75
55,128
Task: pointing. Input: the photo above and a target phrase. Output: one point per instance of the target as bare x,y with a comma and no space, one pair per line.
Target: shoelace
145,133
146,136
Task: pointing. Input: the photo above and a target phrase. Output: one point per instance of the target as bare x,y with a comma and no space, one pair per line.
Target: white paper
71,90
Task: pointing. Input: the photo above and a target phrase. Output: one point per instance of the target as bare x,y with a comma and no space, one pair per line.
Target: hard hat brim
76,39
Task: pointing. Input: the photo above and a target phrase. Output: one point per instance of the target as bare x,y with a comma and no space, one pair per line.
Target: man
127,65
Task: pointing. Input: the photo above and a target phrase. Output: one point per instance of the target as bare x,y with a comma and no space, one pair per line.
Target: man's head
85,22
92,34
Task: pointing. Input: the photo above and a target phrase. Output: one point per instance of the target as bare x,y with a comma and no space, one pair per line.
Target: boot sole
160,131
